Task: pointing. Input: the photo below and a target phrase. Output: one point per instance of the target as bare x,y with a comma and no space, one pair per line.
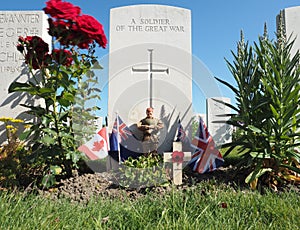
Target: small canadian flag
98,146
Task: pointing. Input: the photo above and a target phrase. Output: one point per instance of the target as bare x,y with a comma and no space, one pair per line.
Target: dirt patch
88,185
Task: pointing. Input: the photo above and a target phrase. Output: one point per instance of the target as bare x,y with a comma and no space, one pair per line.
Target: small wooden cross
177,157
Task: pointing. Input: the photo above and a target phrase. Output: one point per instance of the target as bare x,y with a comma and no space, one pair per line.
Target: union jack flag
206,157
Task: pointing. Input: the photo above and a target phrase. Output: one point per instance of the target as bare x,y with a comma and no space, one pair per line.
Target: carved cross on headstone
177,157
150,70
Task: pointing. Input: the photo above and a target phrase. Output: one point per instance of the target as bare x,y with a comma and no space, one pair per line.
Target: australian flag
206,157
123,143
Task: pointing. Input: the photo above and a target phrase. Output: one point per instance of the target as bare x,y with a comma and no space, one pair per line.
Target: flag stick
118,138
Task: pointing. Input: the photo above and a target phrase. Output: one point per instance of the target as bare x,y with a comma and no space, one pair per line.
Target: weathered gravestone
150,65
12,25
216,120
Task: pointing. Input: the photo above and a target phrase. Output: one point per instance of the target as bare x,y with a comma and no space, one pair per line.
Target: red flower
37,51
62,10
93,30
177,157
20,48
63,57
58,28
71,28
223,205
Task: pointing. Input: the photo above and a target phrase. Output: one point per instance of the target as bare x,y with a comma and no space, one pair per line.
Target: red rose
37,51
37,62
63,57
84,44
37,45
62,10
177,157
20,48
92,28
58,28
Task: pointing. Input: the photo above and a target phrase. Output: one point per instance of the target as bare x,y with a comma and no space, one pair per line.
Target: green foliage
15,167
142,172
268,115
64,92
195,125
143,161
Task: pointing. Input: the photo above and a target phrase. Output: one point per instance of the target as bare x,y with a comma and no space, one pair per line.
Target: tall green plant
62,80
268,112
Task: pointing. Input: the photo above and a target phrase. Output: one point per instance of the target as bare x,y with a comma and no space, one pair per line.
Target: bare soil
83,187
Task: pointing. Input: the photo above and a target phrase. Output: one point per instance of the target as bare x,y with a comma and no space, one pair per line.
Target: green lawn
207,206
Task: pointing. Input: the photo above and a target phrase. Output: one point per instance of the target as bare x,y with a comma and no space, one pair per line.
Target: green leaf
50,131
46,90
274,111
254,129
55,170
48,140
256,174
68,96
19,87
24,135
259,155
295,169
48,180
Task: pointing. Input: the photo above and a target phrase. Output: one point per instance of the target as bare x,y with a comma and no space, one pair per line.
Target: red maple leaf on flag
98,145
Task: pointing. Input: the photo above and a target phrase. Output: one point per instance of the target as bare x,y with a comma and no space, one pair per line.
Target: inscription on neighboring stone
14,24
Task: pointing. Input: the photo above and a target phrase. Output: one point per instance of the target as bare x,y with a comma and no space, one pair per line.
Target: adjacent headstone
150,65
291,20
12,25
177,157
216,120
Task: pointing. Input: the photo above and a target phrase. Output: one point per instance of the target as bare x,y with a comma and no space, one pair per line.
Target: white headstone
216,121
150,64
12,25
291,19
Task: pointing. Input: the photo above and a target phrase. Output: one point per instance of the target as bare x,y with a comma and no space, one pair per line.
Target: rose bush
62,80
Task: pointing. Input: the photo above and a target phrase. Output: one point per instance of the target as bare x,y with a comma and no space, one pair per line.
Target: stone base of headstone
111,164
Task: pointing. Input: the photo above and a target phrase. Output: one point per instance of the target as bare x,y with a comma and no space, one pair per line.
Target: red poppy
177,157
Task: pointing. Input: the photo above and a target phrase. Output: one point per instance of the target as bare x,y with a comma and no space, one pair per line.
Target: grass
208,206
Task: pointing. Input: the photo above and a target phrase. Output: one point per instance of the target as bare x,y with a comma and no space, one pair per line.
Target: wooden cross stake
177,157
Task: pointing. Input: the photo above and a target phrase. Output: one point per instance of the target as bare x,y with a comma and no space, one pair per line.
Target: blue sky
216,25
